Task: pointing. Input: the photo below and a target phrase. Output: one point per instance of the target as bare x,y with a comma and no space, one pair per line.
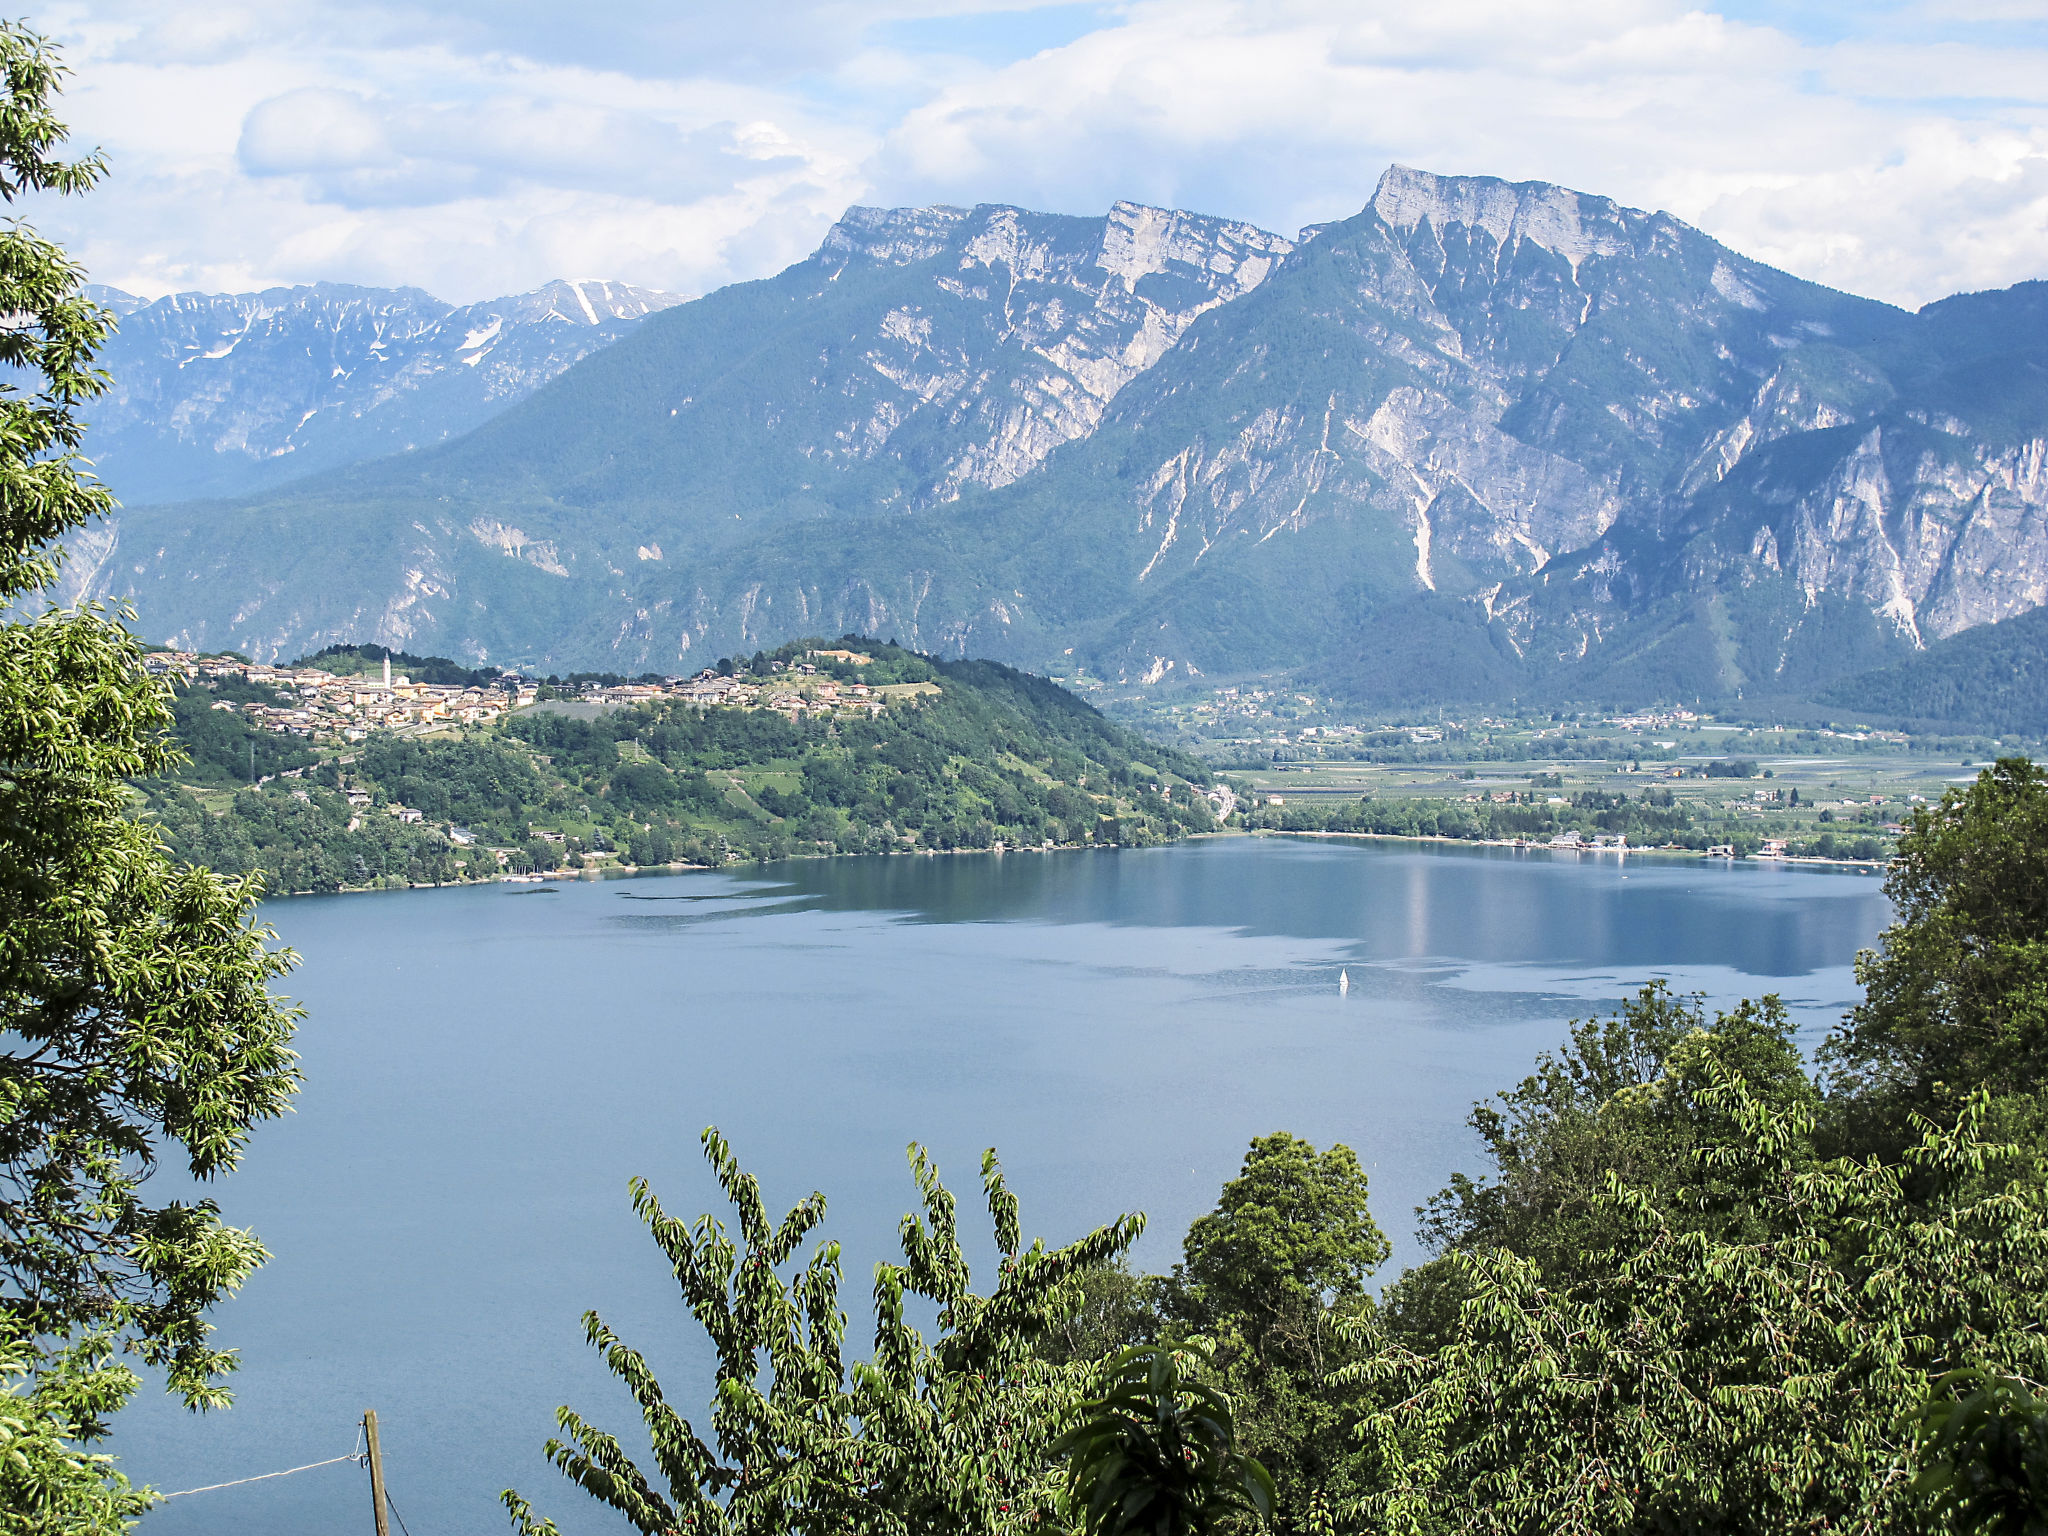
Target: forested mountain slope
1480,440
1992,678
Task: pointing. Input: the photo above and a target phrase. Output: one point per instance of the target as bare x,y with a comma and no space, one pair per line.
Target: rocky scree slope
1482,439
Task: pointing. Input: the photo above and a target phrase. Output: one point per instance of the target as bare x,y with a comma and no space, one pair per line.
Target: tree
1956,994
1621,1097
952,1436
1156,1454
1269,1278
135,1020
1984,1453
1290,1237
1687,1379
1111,1310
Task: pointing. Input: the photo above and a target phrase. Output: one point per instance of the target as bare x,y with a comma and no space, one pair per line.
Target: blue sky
477,147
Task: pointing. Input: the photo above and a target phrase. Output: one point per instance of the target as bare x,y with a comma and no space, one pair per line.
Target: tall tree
1270,1278
951,1436
135,1016
1956,993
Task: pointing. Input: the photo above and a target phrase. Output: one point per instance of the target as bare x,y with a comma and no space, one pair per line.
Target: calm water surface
487,1067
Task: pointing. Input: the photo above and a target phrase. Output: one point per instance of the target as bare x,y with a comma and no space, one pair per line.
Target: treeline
1694,1285
1655,818
368,660
1397,747
303,838
1987,677
992,756
1468,745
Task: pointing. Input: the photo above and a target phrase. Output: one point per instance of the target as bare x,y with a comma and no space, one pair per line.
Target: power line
393,1503
263,1477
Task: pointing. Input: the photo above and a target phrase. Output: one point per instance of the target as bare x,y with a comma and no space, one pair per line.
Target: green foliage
1956,994
135,1020
1156,1454
1984,1453
954,1435
1290,1237
48,1486
1110,1310
1622,1098
1272,1279
318,843
52,332
472,781
1686,1379
221,748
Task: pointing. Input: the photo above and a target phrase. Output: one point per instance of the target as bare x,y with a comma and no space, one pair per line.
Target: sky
474,148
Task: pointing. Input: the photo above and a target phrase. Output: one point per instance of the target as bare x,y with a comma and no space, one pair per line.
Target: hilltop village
359,767
332,709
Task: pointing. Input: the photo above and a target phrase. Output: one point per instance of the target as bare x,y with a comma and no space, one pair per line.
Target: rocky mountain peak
584,301
1133,241
890,237
113,298
1032,324
1572,224
1138,240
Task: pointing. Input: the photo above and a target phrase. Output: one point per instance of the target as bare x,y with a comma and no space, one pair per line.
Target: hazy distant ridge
222,394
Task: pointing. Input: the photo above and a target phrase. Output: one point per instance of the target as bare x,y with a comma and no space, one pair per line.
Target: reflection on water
1393,901
484,1074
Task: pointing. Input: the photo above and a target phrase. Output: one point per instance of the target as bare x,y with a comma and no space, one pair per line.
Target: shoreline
628,871
1804,860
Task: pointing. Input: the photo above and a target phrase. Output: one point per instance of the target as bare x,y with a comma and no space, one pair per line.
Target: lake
486,1067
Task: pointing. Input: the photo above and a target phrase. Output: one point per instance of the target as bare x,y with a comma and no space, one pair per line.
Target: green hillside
1993,678
965,754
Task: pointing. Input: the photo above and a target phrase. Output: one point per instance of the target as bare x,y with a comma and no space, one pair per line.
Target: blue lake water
487,1067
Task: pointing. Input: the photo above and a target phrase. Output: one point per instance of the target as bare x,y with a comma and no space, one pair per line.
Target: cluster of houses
320,705
791,688
1655,720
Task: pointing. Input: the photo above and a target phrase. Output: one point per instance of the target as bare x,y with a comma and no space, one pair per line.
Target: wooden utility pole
376,1472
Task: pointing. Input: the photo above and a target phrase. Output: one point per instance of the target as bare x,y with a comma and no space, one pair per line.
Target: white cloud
1814,156
473,147
313,128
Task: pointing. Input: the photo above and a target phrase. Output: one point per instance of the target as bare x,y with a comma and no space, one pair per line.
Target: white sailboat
1343,982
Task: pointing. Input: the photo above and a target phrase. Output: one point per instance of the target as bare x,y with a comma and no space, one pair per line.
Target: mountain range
224,394
1481,440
